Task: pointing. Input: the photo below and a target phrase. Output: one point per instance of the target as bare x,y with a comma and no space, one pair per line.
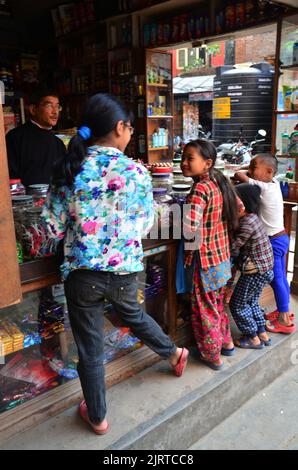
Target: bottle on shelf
289,173
230,14
284,143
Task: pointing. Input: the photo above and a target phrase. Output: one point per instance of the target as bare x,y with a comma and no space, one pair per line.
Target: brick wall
255,48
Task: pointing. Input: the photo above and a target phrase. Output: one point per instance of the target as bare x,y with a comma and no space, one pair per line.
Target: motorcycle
241,152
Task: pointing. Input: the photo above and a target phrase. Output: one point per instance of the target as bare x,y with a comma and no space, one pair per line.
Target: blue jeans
280,285
85,292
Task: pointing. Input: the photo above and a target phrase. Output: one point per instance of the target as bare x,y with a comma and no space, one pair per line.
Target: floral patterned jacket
104,215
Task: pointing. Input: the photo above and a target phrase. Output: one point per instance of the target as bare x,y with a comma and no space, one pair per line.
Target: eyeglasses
131,129
50,106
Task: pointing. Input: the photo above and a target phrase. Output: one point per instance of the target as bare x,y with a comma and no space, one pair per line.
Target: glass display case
37,348
159,106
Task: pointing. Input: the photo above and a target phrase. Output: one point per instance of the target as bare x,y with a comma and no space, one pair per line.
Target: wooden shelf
160,117
287,155
153,149
158,85
289,67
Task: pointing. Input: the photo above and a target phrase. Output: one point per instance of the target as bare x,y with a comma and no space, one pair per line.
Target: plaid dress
206,224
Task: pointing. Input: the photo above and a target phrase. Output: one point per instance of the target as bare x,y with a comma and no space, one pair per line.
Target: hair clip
84,132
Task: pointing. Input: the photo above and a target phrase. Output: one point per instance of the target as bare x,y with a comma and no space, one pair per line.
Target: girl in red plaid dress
211,218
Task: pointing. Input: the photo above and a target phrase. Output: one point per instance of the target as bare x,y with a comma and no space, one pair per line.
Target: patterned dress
210,322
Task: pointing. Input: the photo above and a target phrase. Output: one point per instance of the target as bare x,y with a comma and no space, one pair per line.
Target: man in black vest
32,148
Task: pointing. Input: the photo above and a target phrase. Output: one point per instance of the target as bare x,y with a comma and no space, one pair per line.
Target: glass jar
39,193
162,180
20,205
17,188
180,193
178,177
162,203
35,242
177,162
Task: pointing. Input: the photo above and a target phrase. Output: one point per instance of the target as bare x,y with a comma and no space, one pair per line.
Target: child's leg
280,284
206,323
240,305
260,282
227,341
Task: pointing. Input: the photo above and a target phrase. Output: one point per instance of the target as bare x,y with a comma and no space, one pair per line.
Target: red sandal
275,327
181,364
84,415
272,316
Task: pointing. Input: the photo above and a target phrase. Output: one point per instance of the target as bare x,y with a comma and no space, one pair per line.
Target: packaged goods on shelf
62,369
6,342
15,333
51,319
34,371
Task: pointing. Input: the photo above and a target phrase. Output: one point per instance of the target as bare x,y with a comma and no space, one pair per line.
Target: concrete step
268,421
155,410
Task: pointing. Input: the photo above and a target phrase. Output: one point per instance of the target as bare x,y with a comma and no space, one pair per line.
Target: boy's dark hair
269,160
250,196
37,96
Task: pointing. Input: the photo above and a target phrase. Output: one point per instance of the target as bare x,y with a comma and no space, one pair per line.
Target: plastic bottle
154,139
289,173
284,143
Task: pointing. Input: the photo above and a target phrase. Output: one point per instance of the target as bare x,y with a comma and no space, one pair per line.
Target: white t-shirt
271,207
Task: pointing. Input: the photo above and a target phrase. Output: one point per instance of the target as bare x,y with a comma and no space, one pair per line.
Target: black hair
250,196
230,208
269,160
101,114
37,96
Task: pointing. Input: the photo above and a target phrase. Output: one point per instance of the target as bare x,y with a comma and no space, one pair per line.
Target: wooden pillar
10,283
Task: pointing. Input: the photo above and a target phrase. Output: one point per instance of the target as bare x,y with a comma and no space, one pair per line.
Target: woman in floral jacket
101,205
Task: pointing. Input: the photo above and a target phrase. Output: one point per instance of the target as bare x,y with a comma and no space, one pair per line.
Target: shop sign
222,108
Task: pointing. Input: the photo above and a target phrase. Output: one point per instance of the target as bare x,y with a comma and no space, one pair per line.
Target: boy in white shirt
261,172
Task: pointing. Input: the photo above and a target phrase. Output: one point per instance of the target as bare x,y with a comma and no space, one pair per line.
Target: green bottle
290,174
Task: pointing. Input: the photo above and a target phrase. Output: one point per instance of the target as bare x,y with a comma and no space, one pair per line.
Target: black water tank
247,103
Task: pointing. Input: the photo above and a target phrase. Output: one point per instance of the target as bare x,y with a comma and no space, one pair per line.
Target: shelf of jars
159,106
